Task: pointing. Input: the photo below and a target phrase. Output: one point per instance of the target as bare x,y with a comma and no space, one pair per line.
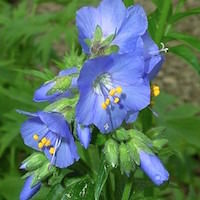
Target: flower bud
33,162
111,151
43,172
126,163
153,167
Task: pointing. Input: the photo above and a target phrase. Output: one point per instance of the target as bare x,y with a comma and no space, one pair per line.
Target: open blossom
110,87
153,167
127,28
50,133
61,86
29,191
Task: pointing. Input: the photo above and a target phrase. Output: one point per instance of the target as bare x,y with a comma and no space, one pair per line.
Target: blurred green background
34,37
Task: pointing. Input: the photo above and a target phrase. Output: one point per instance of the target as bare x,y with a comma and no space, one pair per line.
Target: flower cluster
112,87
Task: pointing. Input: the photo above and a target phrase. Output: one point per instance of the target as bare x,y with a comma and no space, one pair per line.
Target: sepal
111,151
33,162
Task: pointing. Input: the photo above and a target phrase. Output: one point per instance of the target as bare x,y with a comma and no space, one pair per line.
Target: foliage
31,41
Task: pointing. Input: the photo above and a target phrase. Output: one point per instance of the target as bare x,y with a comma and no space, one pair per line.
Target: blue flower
84,135
50,133
128,26
61,86
110,87
153,167
28,191
113,18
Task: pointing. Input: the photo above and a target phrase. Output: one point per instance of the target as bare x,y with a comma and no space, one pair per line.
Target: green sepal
61,84
160,143
43,173
121,135
111,150
98,34
111,49
88,42
108,40
126,164
66,106
139,136
34,161
133,151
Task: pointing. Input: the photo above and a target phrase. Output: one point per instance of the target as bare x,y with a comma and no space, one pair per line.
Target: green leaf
108,40
56,192
186,53
78,188
182,15
101,179
188,39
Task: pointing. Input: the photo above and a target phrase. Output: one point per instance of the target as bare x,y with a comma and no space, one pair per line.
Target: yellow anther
44,140
35,137
48,143
112,92
40,145
107,102
104,106
52,150
155,90
116,100
119,90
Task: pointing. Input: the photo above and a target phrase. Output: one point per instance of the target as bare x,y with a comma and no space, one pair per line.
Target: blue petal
131,117
66,154
137,96
109,119
84,135
41,94
154,168
28,191
127,68
87,19
67,72
153,58
31,127
56,123
112,15
85,108
135,24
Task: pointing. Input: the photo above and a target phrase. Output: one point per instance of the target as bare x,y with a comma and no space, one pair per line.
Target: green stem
163,19
127,190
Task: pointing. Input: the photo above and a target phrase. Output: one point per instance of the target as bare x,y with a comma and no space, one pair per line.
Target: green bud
43,173
126,163
108,40
33,162
111,151
134,152
122,135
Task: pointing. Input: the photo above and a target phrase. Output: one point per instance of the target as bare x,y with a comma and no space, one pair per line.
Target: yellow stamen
107,102
104,106
35,137
44,140
48,143
116,100
52,150
40,145
119,90
155,90
112,92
